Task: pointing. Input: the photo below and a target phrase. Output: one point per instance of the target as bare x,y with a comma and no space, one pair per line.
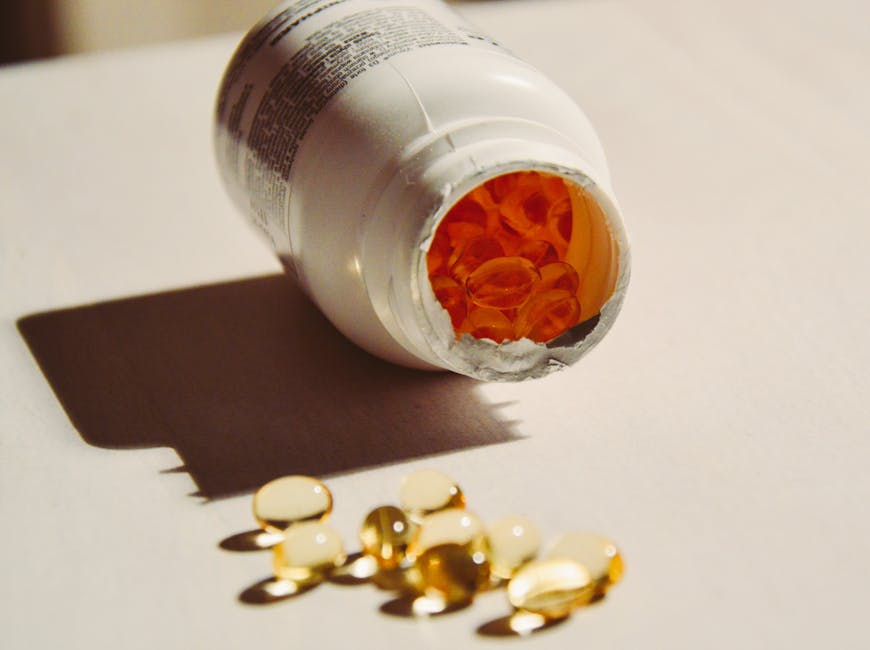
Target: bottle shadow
247,381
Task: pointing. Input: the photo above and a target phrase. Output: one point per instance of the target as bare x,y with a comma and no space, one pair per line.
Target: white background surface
719,433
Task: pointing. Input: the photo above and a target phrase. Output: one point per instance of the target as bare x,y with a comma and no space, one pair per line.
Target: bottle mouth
520,272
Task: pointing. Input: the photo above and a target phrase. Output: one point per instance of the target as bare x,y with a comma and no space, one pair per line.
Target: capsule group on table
434,550
499,260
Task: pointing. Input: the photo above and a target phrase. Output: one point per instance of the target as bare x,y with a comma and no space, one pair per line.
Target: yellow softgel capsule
597,553
310,549
551,588
385,534
451,573
291,499
451,526
511,542
426,491
502,283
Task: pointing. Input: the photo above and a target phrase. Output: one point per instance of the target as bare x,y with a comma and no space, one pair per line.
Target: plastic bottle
348,129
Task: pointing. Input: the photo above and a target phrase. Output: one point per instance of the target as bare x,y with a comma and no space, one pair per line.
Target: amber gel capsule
452,297
290,499
547,314
426,491
552,588
558,275
471,254
451,572
502,283
385,535
488,324
597,553
451,526
309,550
539,252
511,542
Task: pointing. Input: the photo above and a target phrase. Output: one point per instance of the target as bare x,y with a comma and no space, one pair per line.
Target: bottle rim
423,192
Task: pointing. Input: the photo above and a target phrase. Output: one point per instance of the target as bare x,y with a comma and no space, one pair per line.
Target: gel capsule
560,219
484,198
538,252
553,187
547,315
551,588
452,297
524,210
512,541
528,179
474,253
488,324
595,552
385,534
426,491
309,550
291,499
438,254
467,210
558,275
461,231
451,526
501,186
451,573
510,241
502,283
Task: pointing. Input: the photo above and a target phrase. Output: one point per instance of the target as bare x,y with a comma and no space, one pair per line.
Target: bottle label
287,70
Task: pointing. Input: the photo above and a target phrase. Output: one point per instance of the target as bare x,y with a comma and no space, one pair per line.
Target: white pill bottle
347,130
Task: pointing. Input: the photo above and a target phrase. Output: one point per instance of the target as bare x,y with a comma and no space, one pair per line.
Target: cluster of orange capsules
433,552
498,262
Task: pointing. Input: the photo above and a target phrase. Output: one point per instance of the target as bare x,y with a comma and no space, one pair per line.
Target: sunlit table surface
156,367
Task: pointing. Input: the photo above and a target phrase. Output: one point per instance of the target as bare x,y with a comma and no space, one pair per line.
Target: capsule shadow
407,606
272,590
515,626
250,541
247,381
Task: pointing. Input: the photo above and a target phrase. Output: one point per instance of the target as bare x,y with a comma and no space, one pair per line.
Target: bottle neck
401,220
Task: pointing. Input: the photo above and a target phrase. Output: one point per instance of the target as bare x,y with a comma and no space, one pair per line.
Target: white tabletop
720,433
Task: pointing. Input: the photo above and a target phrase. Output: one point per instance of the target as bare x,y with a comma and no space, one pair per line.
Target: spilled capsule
551,588
291,499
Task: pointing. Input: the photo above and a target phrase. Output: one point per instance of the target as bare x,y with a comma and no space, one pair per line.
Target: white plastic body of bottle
346,129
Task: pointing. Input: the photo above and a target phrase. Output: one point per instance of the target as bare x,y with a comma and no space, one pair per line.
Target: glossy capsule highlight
385,535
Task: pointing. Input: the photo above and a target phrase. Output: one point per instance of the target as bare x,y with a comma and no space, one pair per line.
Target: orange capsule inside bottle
547,315
488,324
524,210
472,254
502,282
451,295
558,275
439,253
513,257
560,220
539,252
